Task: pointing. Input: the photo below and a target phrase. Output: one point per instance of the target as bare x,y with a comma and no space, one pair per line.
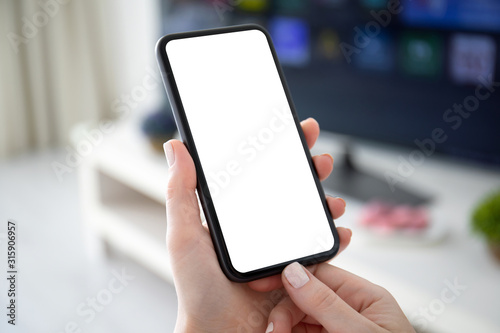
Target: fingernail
296,275
350,232
270,327
169,153
328,155
343,201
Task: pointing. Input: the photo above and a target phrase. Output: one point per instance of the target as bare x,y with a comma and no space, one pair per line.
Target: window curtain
59,65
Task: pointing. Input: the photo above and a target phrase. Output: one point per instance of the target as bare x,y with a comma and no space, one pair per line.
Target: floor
60,286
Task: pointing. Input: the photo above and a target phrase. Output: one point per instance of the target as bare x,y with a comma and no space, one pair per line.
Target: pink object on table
387,218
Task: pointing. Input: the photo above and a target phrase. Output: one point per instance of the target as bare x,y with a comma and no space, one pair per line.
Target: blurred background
406,93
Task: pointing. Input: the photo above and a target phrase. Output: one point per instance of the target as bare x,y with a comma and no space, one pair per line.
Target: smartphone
261,196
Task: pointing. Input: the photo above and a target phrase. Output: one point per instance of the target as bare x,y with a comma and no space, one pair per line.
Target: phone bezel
202,187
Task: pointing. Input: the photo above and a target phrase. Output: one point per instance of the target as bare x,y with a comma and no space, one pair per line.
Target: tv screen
403,72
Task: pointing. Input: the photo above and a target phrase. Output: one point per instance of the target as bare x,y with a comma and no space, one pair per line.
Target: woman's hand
208,301
334,300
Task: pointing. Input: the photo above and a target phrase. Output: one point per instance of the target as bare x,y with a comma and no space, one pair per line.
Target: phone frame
202,186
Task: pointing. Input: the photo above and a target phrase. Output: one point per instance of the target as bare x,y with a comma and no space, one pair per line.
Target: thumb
183,212
320,302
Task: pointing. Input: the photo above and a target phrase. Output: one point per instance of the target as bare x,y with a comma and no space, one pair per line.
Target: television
422,74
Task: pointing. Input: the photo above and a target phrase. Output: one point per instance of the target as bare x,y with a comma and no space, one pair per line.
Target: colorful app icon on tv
472,57
252,5
291,40
378,54
328,45
421,54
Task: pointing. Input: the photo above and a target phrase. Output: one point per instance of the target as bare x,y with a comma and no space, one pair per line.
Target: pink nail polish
296,275
169,153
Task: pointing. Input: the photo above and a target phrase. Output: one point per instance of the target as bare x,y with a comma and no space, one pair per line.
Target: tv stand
351,180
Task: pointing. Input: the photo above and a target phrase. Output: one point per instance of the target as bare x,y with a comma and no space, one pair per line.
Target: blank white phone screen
262,187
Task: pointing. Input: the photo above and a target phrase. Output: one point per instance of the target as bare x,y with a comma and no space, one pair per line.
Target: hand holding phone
203,292
256,180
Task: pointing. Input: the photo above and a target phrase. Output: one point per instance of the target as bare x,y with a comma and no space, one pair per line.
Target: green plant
486,218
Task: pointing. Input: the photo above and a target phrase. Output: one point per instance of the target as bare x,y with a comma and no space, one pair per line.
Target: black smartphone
264,204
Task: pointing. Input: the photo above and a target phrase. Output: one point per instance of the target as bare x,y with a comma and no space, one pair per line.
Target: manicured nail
296,275
169,153
270,327
343,201
328,155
